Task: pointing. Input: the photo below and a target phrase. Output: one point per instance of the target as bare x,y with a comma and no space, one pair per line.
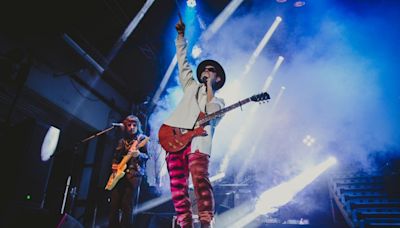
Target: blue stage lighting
191,3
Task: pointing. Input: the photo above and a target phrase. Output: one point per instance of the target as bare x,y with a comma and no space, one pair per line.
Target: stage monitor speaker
30,217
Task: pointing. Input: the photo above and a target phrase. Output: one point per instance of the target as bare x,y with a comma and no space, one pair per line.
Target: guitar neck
136,145
223,111
125,159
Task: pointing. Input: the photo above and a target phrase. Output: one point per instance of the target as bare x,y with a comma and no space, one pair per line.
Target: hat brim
220,71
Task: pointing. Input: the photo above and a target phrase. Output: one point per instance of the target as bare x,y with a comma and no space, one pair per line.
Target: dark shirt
136,166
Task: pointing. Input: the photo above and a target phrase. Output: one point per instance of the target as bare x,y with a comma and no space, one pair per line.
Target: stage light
299,3
191,3
49,143
261,45
206,35
196,51
270,200
164,198
308,140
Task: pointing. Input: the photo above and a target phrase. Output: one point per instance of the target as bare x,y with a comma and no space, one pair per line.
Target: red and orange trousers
179,165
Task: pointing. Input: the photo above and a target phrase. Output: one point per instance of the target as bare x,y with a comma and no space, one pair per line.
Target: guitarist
194,158
125,194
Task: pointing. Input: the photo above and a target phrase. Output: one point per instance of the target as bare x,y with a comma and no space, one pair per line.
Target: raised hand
180,28
114,167
134,153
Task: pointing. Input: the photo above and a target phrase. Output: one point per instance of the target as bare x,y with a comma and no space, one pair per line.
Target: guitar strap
197,96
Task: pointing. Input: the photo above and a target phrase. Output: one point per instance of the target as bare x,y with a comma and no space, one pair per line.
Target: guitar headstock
260,97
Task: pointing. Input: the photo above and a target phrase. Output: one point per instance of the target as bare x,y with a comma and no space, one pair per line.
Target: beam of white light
83,53
278,196
128,31
278,98
160,200
227,218
272,199
152,203
221,19
239,136
261,45
245,220
216,177
49,143
213,179
224,164
165,80
277,65
201,22
211,30
258,137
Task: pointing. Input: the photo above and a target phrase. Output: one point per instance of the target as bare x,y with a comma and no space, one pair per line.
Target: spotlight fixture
191,3
299,3
196,51
308,140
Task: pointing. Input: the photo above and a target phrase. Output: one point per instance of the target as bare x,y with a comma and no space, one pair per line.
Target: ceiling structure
138,66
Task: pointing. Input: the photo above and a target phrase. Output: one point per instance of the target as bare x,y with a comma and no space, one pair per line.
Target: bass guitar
120,172
173,139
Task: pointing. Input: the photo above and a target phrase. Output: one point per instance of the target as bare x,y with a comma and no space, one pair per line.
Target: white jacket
189,108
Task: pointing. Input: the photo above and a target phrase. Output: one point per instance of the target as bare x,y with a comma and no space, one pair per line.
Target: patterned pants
179,165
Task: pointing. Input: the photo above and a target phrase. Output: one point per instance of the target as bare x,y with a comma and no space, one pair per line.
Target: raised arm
185,71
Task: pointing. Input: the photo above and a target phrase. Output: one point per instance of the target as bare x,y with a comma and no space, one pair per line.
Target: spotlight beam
238,138
211,30
83,53
221,19
272,199
259,136
261,45
160,200
128,31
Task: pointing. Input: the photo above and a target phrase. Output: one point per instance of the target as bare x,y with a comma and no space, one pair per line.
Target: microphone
117,124
204,80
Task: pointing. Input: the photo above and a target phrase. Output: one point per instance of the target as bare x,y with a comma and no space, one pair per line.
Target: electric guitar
117,175
174,139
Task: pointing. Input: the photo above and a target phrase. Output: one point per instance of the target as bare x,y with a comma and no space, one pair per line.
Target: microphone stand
73,190
97,134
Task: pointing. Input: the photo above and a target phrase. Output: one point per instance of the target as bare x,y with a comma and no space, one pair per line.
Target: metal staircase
367,200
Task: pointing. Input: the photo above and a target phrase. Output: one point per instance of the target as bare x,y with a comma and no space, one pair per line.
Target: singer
125,194
194,158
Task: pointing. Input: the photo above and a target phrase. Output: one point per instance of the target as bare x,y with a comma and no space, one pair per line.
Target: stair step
343,190
379,222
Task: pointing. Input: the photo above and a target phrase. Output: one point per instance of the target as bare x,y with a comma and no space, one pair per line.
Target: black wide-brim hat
220,71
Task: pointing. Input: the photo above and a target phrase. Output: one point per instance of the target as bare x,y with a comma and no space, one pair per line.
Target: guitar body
174,139
115,177
120,173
